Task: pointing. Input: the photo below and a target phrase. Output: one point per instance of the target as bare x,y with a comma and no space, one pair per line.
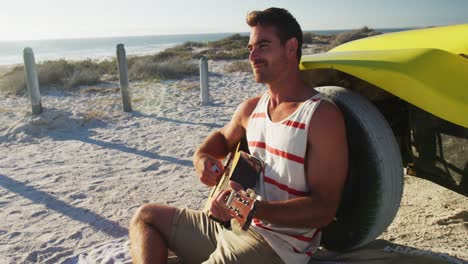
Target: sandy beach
71,178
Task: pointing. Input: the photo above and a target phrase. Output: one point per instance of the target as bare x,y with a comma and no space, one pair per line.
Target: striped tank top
282,146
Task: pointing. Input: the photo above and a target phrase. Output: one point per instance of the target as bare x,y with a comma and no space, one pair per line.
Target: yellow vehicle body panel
453,39
423,67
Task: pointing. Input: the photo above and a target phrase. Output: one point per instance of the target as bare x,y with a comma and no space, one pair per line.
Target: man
302,140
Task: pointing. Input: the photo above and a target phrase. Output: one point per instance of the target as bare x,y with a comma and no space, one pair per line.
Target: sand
71,178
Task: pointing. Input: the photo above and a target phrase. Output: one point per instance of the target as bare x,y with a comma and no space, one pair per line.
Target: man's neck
291,88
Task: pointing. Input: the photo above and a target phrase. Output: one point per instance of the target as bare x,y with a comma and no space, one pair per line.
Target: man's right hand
209,169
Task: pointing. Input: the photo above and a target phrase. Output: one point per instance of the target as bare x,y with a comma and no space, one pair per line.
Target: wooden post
32,80
204,91
123,75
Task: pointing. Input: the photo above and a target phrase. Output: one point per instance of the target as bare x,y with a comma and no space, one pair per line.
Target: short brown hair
285,24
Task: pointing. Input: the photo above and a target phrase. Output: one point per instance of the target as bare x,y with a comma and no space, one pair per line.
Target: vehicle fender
432,79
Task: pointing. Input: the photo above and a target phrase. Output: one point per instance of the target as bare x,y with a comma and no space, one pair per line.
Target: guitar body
243,169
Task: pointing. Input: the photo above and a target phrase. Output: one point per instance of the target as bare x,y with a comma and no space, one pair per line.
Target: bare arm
219,143
326,169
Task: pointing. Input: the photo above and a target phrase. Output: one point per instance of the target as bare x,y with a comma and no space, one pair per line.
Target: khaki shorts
195,238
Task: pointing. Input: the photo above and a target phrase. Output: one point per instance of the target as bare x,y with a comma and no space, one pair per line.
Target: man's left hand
219,209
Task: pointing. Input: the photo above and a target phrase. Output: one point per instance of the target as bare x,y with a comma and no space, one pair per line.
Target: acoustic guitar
244,169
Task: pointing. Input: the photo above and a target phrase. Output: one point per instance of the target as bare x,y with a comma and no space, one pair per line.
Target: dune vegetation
173,63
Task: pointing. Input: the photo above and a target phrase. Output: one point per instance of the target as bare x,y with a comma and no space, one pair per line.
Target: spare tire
372,192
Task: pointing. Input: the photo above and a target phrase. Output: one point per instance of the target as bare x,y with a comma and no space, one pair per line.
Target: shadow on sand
83,215
60,125
166,119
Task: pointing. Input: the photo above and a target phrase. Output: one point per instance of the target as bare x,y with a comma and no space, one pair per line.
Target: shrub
172,63
320,39
108,67
231,48
233,42
352,35
54,73
179,52
217,54
67,74
192,44
175,69
13,82
307,37
3,70
238,66
147,69
84,76
59,73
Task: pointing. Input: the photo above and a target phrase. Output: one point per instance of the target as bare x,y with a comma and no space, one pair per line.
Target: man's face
267,56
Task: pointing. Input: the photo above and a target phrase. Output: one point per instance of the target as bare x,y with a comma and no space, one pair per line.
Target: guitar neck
223,184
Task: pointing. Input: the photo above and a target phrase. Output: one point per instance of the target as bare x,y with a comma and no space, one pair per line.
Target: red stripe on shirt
315,99
258,223
257,144
277,152
258,115
285,187
294,124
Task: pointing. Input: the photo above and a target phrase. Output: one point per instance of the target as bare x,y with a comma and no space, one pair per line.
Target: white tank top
282,146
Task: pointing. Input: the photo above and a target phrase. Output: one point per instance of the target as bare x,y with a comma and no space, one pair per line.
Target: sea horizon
99,48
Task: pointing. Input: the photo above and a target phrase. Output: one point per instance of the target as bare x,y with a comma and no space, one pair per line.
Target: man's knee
143,214
156,215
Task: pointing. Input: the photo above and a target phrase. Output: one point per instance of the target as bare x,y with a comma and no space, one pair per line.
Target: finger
221,198
209,175
204,165
211,170
235,186
208,181
219,164
221,215
220,210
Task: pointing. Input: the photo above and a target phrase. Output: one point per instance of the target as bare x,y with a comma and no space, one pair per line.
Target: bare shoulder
246,108
327,120
235,130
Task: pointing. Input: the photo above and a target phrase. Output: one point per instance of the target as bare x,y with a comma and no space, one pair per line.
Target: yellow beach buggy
405,100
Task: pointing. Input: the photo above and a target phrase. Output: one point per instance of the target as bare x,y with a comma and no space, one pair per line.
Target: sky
55,19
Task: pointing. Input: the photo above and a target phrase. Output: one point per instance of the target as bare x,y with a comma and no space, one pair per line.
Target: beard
269,69
261,77
262,74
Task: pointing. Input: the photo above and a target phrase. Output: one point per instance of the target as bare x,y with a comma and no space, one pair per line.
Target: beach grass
319,39
12,82
58,74
231,48
238,66
344,37
146,68
3,70
173,63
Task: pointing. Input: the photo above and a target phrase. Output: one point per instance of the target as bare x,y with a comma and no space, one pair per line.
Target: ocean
11,52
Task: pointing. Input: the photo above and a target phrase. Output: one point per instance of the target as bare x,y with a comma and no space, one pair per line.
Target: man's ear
292,46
